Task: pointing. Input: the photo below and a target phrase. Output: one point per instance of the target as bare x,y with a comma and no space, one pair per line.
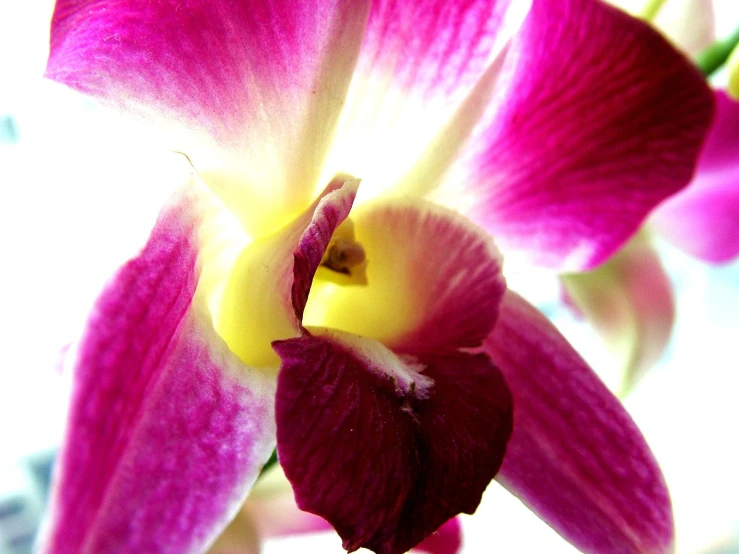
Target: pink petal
387,449
434,280
167,430
418,62
575,458
587,137
264,297
251,91
703,220
629,302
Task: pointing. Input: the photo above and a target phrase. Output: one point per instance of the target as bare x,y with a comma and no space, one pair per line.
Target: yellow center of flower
343,255
366,283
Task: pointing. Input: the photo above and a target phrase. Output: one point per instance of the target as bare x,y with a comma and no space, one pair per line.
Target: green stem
714,57
651,9
271,462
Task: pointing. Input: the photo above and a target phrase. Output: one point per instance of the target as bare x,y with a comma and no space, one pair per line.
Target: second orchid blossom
366,329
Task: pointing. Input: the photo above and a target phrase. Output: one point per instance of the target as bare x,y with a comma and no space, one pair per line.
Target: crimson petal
384,452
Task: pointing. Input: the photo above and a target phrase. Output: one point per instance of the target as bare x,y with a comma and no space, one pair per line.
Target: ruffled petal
629,301
585,138
386,448
418,62
703,220
266,292
167,430
575,457
434,280
251,91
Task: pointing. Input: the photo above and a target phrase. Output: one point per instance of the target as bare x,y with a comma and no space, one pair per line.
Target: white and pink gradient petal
580,141
703,219
629,302
167,430
575,458
250,91
419,60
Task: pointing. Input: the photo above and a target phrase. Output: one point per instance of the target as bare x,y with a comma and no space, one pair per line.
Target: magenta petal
387,454
167,429
703,219
588,136
575,457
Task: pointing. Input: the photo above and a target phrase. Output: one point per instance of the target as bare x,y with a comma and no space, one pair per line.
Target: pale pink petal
434,280
689,24
629,301
263,299
167,430
251,91
585,138
418,62
575,457
386,448
703,219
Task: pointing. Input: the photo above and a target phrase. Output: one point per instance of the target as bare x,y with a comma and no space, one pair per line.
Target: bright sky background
78,197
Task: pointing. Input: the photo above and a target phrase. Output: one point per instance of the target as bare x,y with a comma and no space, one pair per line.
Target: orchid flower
366,329
629,300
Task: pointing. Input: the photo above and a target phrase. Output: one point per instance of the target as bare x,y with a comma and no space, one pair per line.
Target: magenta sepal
575,458
166,429
565,169
385,458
